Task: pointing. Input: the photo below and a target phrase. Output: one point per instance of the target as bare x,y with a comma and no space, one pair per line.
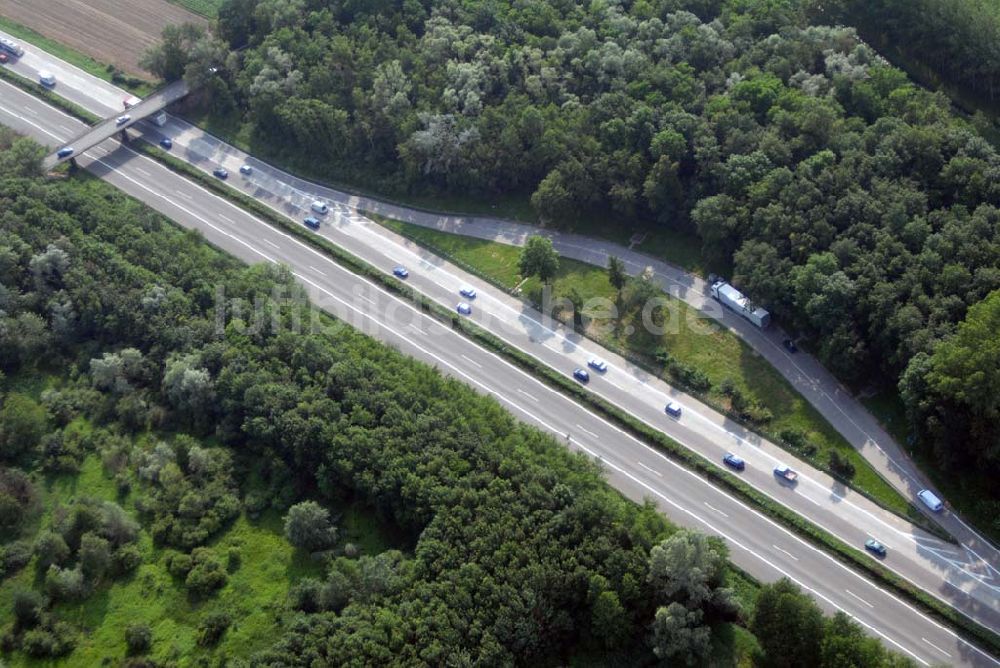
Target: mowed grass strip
708,347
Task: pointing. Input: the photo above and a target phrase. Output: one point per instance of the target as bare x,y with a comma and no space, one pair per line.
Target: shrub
206,574
138,638
179,564
51,549
94,556
28,608
14,557
212,628
64,584
49,643
233,559
126,559
307,525
840,465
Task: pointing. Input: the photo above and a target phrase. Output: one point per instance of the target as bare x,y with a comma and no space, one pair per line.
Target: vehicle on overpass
159,118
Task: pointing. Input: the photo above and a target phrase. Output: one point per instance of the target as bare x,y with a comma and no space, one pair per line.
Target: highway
637,470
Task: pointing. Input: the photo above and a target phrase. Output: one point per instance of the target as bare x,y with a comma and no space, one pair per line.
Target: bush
841,465
179,564
49,643
14,557
206,574
28,608
233,559
94,556
51,549
307,526
138,638
64,584
126,559
212,628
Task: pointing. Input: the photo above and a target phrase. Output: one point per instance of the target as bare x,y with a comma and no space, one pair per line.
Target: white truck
732,298
159,118
11,47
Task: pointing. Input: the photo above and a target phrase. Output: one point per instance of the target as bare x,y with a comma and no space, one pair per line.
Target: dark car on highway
65,152
790,346
220,173
734,462
581,375
312,223
167,143
875,547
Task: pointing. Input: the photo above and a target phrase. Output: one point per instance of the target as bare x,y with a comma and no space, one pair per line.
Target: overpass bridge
107,128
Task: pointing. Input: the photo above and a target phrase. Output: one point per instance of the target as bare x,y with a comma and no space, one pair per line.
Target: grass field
715,351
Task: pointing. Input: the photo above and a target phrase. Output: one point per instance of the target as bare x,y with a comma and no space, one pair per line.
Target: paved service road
762,547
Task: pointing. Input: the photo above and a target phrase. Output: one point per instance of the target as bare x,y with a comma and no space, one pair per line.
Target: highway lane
957,575
764,548
975,568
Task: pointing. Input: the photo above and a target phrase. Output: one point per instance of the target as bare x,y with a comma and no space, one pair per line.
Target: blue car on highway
65,152
311,223
400,271
167,143
464,309
221,173
875,547
734,462
581,375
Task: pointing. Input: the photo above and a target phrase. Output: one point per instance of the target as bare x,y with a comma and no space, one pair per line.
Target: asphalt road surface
760,546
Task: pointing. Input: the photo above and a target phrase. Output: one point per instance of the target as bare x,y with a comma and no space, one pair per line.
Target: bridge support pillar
124,135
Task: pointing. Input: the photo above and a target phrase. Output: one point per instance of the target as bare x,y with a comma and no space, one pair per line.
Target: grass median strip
850,556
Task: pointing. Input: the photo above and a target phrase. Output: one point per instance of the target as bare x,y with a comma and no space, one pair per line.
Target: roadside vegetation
175,489
696,355
855,205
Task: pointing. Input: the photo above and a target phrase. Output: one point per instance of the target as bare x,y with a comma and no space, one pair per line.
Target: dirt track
103,29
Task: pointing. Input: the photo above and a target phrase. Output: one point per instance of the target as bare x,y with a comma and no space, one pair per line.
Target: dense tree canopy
851,203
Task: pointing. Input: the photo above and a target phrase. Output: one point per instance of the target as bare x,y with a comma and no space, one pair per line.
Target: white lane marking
711,507
271,243
142,171
785,551
367,299
527,395
183,194
626,436
228,220
64,129
935,647
318,271
860,599
586,431
471,361
650,469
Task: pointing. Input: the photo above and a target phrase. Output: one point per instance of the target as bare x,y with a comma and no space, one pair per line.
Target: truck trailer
158,119
732,298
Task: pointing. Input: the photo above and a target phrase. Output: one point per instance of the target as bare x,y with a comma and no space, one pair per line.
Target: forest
119,372
956,40
858,207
